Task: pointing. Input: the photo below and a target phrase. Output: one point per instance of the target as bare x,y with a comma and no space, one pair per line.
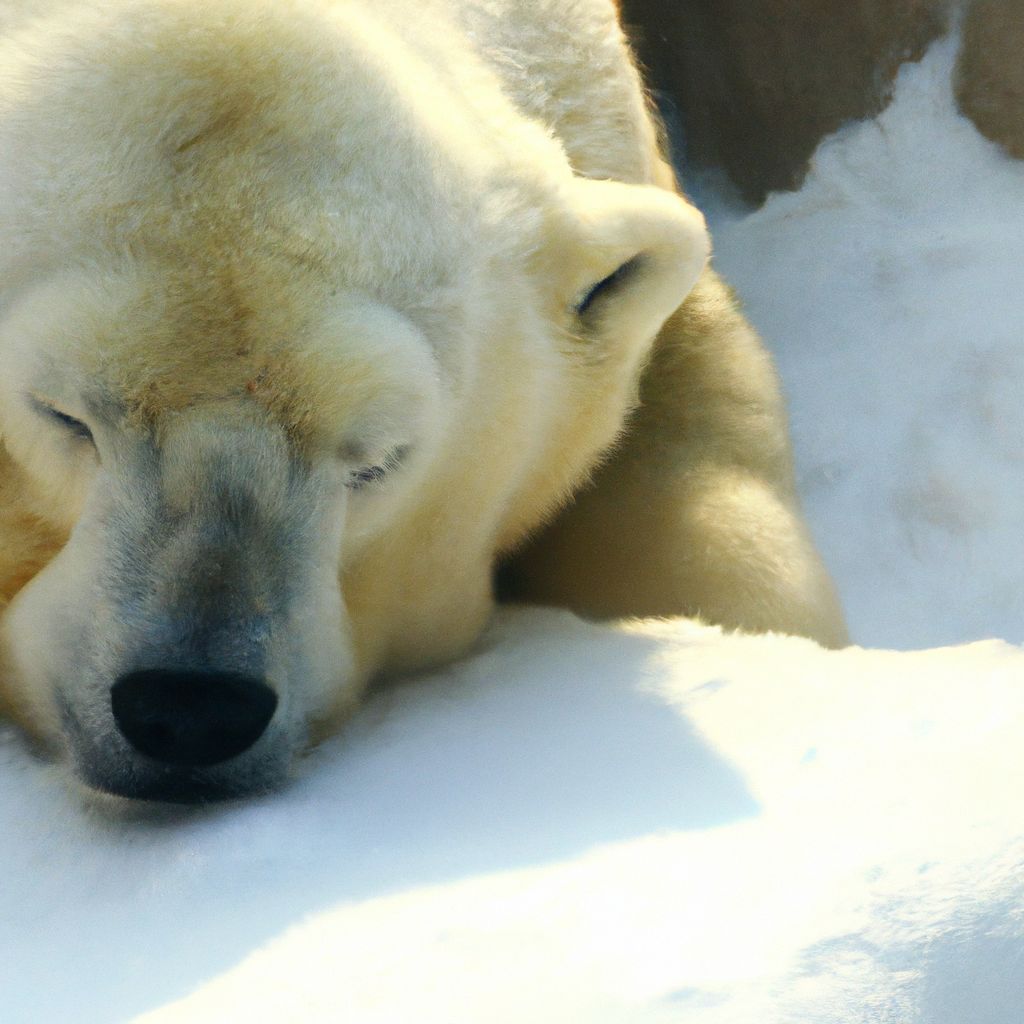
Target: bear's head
300,325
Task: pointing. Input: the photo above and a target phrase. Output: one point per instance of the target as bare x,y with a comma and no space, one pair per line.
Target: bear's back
566,64
562,63
15,13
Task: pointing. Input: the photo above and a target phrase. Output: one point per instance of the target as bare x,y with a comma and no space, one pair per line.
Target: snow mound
642,824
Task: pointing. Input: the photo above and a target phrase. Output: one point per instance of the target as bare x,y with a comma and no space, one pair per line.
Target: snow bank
640,825
653,823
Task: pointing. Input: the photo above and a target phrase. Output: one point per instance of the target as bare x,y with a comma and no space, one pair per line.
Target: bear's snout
191,719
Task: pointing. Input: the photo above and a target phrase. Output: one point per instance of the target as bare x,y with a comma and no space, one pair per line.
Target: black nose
190,719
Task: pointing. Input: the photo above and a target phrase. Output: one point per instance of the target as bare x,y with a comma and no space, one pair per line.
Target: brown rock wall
758,83
990,73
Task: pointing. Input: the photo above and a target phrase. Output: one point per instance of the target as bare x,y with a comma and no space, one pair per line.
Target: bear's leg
695,511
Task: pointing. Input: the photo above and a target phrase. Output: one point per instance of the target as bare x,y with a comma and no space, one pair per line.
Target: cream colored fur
262,246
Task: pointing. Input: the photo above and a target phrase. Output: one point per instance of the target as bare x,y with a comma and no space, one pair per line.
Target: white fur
314,275
261,246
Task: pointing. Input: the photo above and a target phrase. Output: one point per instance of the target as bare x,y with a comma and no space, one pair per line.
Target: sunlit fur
258,246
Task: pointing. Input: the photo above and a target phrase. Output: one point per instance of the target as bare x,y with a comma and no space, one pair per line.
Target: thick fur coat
313,311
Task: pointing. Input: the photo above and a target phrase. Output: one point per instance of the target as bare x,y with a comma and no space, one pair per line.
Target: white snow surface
654,823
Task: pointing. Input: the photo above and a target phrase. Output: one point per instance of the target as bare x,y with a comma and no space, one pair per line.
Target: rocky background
755,84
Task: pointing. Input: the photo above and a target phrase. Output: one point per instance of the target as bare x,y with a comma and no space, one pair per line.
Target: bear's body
309,312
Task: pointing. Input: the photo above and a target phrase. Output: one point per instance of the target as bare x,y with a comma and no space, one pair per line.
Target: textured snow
655,822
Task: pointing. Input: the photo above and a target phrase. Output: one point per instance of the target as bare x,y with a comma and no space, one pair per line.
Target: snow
654,822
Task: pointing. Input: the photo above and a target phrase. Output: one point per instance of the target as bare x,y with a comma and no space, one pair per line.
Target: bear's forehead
151,123
135,347
262,333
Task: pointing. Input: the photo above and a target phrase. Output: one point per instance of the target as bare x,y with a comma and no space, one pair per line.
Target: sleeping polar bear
310,312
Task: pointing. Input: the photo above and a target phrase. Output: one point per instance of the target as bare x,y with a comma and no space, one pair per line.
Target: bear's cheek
42,644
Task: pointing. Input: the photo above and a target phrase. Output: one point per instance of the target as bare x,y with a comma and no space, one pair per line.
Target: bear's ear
628,256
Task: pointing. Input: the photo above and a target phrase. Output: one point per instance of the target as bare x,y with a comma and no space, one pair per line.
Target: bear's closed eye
359,478
75,426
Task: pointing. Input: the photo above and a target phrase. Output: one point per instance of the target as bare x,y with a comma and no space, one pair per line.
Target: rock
990,73
758,83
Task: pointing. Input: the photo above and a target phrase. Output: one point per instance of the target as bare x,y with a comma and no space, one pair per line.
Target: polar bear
313,311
